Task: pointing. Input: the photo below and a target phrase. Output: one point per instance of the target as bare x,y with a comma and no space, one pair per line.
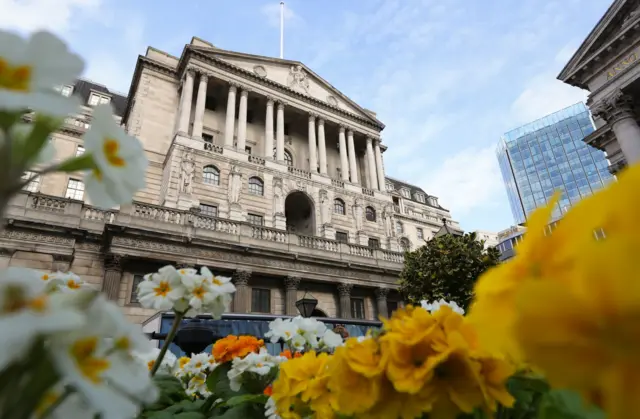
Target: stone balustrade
75,214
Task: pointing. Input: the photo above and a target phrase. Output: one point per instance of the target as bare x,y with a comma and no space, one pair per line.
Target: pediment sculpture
298,79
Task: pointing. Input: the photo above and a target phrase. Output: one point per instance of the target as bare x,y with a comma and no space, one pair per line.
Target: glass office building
547,155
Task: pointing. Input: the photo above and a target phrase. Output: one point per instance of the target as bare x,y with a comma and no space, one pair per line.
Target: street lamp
306,305
194,337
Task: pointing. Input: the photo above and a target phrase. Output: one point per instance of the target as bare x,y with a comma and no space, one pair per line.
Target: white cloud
53,15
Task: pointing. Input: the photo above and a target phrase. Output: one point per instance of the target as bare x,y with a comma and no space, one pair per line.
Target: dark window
210,102
288,159
420,233
342,237
391,307
137,279
208,138
374,243
357,308
209,210
338,206
256,186
286,129
249,116
247,150
255,219
405,244
370,214
399,228
260,300
211,175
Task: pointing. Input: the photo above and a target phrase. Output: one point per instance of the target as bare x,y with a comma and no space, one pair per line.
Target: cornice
270,83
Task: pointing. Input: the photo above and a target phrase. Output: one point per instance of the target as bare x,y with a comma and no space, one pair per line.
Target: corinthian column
352,157
230,117
379,166
280,133
381,301
313,160
198,120
291,284
185,103
112,276
344,163
322,147
372,165
344,291
617,110
268,131
242,296
242,120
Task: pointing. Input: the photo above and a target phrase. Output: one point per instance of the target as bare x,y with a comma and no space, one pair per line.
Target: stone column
372,165
344,291
280,133
231,117
268,130
381,301
344,163
366,182
617,110
185,103
313,159
352,157
112,276
382,183
198,121
242,296
291,283
242,120
322,147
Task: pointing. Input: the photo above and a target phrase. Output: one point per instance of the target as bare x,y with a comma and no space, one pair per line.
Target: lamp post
194,337
306,305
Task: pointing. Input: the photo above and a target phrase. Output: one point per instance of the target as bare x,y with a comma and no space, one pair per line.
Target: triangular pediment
621,16
294,75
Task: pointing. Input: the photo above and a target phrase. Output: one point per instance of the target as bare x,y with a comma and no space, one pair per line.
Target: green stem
165,346
58,402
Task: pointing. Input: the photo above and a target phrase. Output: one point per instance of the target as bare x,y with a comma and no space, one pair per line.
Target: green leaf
247,398
218,382
42,128
567,404
190,415
161,415
83,162
242,411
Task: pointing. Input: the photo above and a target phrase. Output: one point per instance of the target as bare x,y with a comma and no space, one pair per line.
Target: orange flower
287,354
224,350
268,391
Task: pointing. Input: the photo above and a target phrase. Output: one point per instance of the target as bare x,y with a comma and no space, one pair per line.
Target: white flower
258,363
161,290
30,71
199,291
218,306
270,411
197,386
68,281
281,329
310,329
435,306
119,159
27,312
331,339
200,363
97,364
73,406
220,284
148,359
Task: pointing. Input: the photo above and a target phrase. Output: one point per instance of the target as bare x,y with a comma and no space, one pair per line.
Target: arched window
287,157
256,186
399,227
405,244
370,213
211,175
338,206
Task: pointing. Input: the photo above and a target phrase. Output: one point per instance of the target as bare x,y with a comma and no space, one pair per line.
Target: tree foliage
446,267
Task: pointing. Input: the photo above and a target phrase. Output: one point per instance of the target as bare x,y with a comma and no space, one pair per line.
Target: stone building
259,169
607,65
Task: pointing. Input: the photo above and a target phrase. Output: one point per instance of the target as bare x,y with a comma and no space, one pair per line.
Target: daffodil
31,69
119,158
27,312
161,290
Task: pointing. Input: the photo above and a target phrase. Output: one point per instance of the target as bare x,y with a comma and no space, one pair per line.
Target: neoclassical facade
607,65
259,169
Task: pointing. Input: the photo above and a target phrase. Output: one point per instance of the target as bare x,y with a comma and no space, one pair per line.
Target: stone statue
187,169
298,78
357,214
388,224
325,208
278,196
235,184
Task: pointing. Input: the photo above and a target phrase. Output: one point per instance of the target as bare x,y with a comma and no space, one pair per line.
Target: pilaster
291,284
344,292
242,296
112,276
381,301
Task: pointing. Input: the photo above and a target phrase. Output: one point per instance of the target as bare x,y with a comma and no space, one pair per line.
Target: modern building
259,169
549,155
607,65
490,238
508,239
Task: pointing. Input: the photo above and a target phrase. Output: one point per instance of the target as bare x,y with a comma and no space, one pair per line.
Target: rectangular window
255,219
247,150
357,308
79,151
260,300
342,237
32,186
391,307
66,91
286,129
374,243
137,279
104,100
209,210
94,99
75,190
420,233
208,138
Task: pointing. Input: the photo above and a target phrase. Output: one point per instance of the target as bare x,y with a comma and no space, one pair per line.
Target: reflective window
211,175
338,206
256,186
370,214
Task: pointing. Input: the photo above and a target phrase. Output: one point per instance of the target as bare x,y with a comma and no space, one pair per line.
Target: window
374,243
96,99
256,186
399,227
338,206
260,300
405,244
405,192
247,150
357,308
32,186
79,151
391,307
211,175
66,91
210,210
137,279
342,237
288,158
208,138
420,197
255,219
249,116
370,214
390,187
420,233
286,129
75,189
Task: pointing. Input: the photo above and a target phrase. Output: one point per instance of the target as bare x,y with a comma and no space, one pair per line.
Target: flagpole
282,29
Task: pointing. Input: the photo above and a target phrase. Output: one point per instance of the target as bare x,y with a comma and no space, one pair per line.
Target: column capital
381,293
191,71
312,116
292,282
377,141
344,289
233,86
245,92
113,262
241,277
320,121
614,107
270,99
369,140
281,104
350,131
204,76
342,129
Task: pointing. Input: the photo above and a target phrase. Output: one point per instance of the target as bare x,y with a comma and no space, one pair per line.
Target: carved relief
278,196
325,208
357,214
235,184
331,100
35,237
260,70
387,214
298,79
187,169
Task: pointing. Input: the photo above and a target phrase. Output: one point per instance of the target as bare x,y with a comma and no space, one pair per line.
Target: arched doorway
318,313
301,219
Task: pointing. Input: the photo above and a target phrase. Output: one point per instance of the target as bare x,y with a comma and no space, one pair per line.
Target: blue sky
447,77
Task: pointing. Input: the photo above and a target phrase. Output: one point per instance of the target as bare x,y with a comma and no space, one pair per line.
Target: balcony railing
71,213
